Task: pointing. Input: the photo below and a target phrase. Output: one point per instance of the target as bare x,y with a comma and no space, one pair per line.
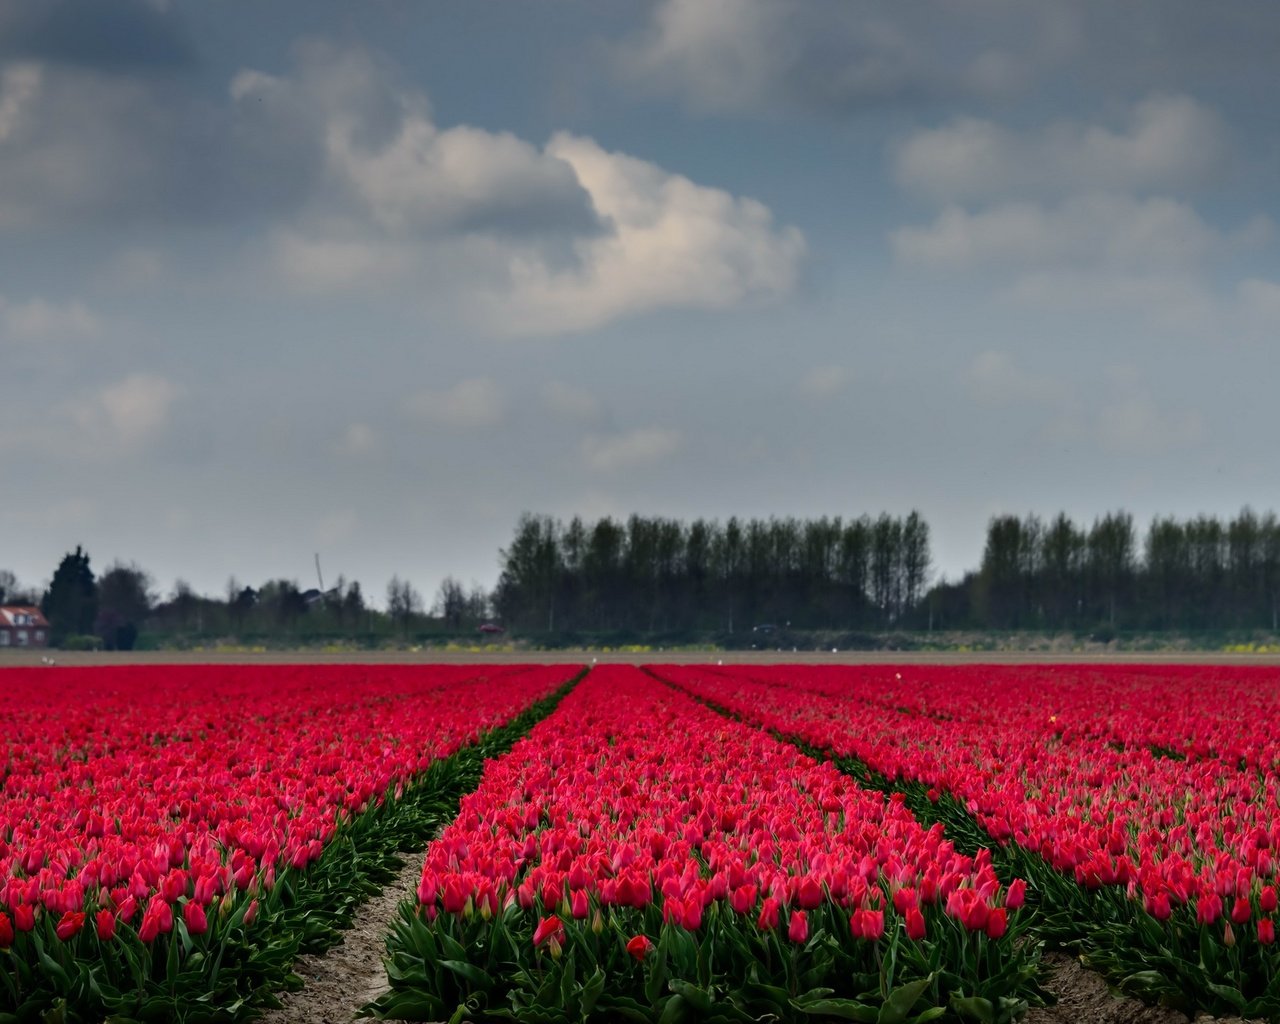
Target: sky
369,280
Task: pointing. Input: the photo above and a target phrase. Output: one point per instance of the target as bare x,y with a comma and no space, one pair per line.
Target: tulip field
172,837
885,844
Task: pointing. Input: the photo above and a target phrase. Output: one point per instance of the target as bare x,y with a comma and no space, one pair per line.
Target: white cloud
630,450
114,421
1107,232
673,243
130,411
384,159
825,382
471,403
1169,142
41,320
524,240
568,402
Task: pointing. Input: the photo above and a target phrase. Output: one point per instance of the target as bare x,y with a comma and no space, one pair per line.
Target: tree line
647,576
659,575
1201,573
114,610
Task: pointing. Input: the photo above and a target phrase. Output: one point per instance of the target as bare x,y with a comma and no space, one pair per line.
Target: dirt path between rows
338,982
1083,998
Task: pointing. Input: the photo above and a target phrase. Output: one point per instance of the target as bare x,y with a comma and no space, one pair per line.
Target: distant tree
478,604
71,602
451,603
183,603
12,592
282,602
241,603
403,603
916,558
124,602
353,603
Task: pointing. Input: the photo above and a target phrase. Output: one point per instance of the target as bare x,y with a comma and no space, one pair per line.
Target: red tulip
915,924
768,919
639,946
1266,931
549,929
6,931
1015,895
867,924
68,927
743,898
105,923
798,930
194,916
156,919
24,917
997,922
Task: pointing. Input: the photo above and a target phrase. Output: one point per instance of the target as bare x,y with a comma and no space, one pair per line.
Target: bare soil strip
1083,998
338,982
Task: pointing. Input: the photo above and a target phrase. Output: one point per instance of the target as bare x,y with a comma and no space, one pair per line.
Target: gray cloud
123,35
835,57
831,56
1166,142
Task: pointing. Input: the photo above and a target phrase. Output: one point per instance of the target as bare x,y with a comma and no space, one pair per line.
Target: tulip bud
639,946
105,921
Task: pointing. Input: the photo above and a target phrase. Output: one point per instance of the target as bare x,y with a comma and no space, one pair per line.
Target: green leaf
592,989
974,1008
471,972
1233,996
844,1009
673,1011
698,998
656,965
901,1000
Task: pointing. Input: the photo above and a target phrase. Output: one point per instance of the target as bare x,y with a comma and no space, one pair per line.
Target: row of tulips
172,837
639,856
1147,830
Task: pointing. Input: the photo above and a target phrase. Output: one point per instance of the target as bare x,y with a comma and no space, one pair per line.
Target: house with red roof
23,625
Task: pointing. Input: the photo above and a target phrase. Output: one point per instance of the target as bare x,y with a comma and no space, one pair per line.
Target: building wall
24,636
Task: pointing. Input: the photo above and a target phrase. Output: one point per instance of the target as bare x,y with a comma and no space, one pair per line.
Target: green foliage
473,968
71,602
233,969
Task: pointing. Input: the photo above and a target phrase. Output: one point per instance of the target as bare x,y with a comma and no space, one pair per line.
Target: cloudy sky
371,279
